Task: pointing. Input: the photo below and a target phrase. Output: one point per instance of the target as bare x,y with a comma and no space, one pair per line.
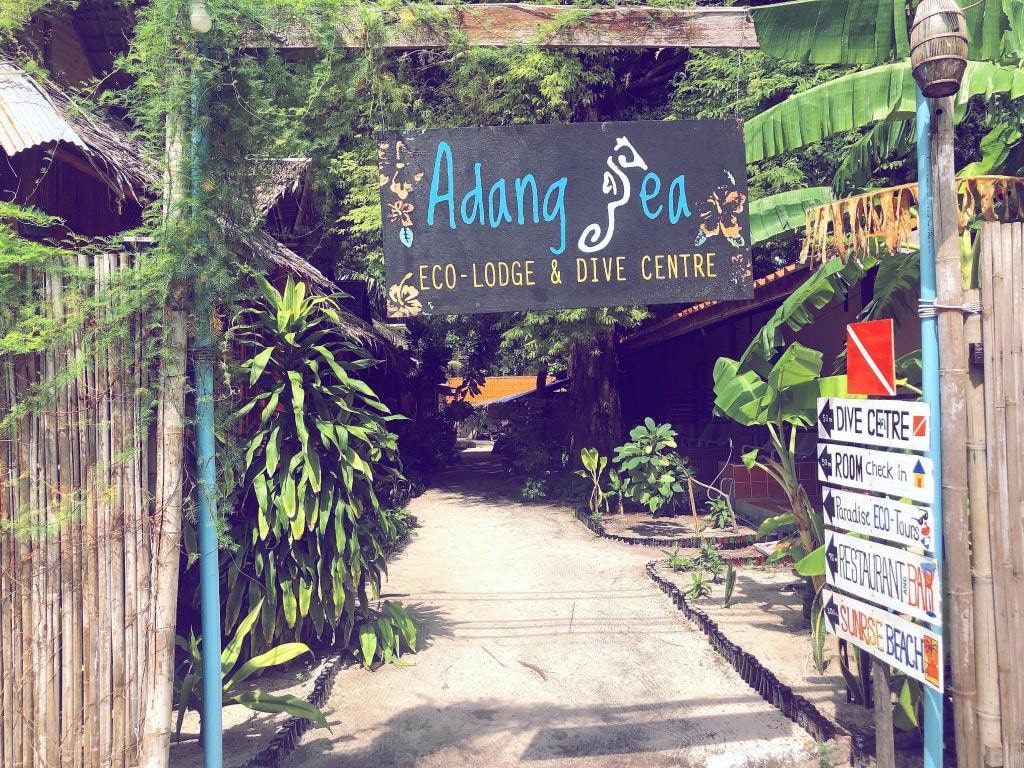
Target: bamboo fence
76,537
1002,291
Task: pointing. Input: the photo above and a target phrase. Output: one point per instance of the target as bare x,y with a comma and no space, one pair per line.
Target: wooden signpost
563,216
870,462
882,423
889,576
879,517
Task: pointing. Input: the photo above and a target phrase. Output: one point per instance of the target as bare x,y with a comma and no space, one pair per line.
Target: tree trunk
170,461
594,396
170,479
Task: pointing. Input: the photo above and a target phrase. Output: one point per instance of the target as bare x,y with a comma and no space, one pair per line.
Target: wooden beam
548,26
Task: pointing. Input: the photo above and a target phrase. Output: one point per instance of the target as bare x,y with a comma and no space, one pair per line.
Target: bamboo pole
1014,374
168,495
51,535
959,622
129,484
993,321
80,451
67,617
19,602
166,540
34,673
987,710
117,537
7,480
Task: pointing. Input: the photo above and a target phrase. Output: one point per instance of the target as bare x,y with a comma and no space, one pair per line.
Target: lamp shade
938,47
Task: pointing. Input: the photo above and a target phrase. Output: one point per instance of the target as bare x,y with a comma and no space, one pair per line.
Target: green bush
654,473
311,526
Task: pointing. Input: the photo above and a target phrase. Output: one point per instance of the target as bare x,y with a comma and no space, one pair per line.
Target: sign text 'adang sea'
559,216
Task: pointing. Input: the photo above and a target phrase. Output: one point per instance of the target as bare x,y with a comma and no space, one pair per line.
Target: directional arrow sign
883,423
909,647
877,516
897,474
892,577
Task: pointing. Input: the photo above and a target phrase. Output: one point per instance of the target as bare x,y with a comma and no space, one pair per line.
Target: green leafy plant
783,398
711,560
678,562
234,674
384,633
618,489
730,584
533,489
656,474
593,469
719,512
312,530
698,587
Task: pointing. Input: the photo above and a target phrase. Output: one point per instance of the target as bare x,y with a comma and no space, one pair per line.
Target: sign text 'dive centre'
562,216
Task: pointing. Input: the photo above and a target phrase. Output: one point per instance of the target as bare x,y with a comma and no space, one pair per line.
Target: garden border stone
725,543
798,709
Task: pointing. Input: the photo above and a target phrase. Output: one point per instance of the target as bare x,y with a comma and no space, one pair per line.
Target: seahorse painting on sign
561,216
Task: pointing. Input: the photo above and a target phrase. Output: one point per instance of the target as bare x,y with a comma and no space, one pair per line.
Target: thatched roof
279,176
34,112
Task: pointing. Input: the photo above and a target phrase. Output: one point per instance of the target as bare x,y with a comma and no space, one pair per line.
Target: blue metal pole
933,708
206,467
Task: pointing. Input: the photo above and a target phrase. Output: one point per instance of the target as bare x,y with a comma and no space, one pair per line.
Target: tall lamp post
938,56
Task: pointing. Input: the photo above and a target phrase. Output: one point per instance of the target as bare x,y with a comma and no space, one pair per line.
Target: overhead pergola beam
551,26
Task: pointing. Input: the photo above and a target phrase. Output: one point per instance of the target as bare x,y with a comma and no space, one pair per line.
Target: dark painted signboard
561,216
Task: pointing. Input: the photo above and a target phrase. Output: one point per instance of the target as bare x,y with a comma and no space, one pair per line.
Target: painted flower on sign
718,213
400,211
402,299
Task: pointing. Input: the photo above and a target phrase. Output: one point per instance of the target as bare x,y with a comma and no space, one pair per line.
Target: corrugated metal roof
27,116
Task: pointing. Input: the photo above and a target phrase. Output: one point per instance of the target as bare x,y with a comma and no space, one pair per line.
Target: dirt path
543,645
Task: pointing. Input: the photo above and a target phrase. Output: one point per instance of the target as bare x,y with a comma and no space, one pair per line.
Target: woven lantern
938,47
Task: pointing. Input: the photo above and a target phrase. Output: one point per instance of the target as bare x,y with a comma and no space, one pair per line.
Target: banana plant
234,674
783,401
593,468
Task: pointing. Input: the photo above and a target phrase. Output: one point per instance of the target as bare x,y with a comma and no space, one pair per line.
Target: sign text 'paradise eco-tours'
561,216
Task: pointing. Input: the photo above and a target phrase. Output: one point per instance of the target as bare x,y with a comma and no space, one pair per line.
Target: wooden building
666,372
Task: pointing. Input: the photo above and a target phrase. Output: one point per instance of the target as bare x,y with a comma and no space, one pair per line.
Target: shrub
312,529
654,473
719,512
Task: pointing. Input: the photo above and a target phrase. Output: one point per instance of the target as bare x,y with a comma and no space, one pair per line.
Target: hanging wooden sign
900,523
563,216
882,423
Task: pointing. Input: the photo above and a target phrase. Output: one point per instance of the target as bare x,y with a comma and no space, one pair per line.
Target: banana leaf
784,212
860,32
867,32
859,99
739,394
887,139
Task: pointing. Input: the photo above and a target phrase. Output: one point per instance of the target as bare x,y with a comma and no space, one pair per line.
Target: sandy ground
542,644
